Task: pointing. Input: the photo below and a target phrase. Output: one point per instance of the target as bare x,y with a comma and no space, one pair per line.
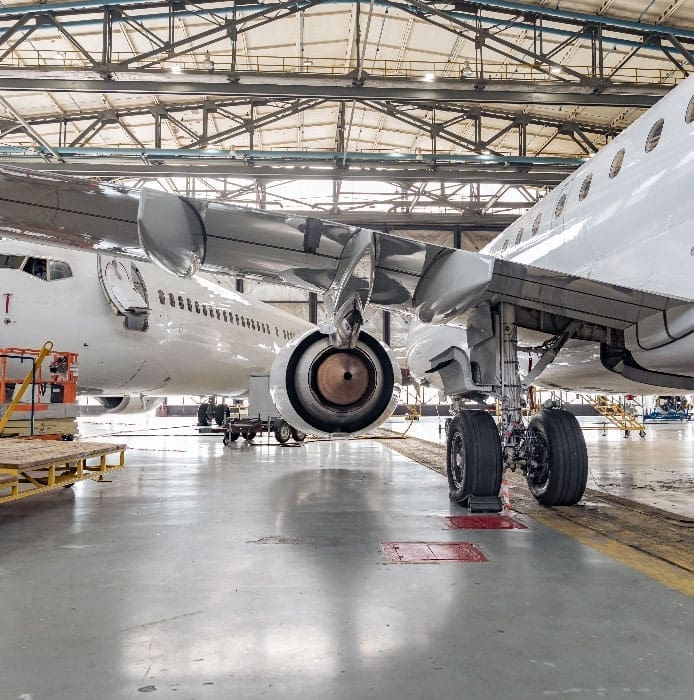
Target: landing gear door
124,289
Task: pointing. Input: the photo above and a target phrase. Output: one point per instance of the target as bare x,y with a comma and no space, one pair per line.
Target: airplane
601,267
140,333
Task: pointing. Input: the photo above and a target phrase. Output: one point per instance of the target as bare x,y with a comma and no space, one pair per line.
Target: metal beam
223,106
288,165
341,88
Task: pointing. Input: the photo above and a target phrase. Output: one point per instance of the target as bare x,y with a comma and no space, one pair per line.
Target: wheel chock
483,504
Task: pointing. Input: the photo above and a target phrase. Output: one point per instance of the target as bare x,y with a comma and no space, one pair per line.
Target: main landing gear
550,450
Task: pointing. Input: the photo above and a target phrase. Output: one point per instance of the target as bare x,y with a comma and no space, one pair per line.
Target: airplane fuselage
200,337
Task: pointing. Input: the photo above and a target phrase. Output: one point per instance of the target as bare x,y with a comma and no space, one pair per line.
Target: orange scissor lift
32,466
38,392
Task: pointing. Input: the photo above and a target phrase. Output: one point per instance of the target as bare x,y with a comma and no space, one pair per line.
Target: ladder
615,413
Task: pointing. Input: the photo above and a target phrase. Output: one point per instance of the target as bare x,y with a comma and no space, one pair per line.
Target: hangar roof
466,109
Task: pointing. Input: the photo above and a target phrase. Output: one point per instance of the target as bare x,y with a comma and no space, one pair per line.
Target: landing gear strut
550,451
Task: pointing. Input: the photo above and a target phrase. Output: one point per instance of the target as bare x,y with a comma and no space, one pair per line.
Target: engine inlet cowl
324,390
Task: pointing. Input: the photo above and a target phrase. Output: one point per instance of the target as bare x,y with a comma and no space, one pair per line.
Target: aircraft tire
202,414
221,411
557,444
298,435
248,435
473,456
233,436
283,432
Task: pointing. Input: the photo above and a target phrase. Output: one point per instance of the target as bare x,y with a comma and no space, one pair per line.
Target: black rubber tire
561,439
225,439
203,418
221,411
248,435
283,432
298,435
233,436
473,456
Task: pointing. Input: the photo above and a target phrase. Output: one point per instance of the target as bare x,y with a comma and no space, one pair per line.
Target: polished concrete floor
257,572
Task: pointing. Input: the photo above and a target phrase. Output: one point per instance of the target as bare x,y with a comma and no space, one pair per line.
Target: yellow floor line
661,571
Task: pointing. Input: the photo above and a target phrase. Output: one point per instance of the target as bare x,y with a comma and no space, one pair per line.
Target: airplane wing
185,235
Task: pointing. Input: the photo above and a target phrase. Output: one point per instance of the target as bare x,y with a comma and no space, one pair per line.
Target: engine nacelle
128,405
323,390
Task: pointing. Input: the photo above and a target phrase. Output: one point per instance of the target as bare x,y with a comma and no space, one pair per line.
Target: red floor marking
431,552
483,522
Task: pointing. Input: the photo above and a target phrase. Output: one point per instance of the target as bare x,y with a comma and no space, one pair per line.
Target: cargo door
124,289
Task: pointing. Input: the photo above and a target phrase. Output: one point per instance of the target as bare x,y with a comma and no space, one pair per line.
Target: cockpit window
36,267
58,270
42,268
11,262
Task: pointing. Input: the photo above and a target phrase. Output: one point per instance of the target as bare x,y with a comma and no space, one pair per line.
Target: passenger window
204,310
243,322
224,315
197,307
559,209
519,236
654,135
11,262
585,187
503,247
181,303
162,297
277,331
58,270
617,163
253,324
36,267
190,304
236,316
172,299
536,224
217,314
689,115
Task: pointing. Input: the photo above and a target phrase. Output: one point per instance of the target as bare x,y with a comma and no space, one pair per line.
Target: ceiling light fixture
466,71
207,62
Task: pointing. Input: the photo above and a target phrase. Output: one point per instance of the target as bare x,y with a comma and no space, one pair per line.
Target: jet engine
128,405
324,390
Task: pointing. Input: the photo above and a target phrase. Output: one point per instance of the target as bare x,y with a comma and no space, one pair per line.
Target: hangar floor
245,572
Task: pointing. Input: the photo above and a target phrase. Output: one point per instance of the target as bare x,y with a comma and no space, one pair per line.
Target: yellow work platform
29,467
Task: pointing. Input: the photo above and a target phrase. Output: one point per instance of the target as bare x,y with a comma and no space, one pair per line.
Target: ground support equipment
250,428
30,467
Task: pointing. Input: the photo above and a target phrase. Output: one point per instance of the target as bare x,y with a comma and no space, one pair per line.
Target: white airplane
603,266
139,331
